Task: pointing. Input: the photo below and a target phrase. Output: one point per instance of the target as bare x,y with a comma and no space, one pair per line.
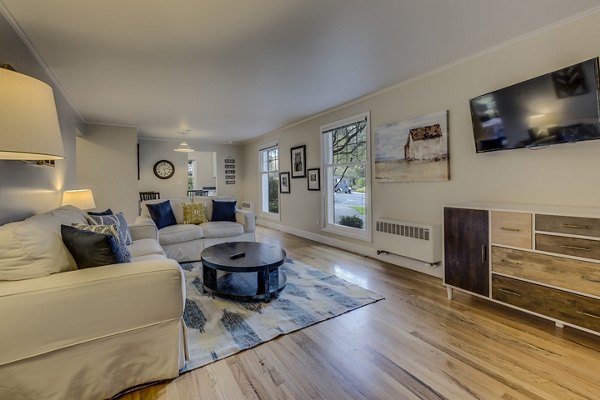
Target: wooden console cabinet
542,260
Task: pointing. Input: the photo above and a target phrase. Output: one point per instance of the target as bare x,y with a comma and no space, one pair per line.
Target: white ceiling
231,70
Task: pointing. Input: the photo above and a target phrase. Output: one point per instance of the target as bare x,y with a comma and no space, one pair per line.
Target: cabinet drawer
511,229
581,276
568,245
571,225
568,307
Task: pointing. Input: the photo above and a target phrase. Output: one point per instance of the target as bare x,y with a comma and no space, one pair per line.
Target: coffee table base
244,286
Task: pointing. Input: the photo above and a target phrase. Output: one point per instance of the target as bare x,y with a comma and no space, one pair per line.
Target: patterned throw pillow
194,213
116,219
108,230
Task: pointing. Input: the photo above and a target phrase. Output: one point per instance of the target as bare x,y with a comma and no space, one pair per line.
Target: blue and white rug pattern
218,328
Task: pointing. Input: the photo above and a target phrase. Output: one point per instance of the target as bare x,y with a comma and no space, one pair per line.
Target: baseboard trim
367,251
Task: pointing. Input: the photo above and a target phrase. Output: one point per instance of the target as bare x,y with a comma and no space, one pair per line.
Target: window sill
270,216
350,233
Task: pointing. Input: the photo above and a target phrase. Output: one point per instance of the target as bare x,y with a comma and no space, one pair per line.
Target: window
191,174
346,166
269,180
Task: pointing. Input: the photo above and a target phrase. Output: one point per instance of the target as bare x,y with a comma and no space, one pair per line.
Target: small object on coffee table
252,270
237,255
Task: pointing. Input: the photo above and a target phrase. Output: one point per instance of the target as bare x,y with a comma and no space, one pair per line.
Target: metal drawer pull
510,292
566,246
574,226
504,228
587,314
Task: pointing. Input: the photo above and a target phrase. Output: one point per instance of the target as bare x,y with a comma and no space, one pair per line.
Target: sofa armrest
143,228
70,308
246,218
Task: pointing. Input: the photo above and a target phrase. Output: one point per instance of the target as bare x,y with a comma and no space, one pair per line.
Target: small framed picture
298,160
284,182
314,179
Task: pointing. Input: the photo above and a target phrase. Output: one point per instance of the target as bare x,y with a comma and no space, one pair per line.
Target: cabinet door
466,238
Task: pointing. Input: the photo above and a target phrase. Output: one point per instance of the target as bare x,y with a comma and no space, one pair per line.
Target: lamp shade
82,199
184,147
29,127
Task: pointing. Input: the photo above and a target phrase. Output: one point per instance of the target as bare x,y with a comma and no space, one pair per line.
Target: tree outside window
269,168
346,165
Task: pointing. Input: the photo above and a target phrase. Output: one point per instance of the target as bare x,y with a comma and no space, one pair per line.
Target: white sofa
185,242
90,333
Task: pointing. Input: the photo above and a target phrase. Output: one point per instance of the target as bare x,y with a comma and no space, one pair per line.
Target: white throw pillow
28,250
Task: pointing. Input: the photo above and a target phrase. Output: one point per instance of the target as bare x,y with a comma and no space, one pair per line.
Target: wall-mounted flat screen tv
558,107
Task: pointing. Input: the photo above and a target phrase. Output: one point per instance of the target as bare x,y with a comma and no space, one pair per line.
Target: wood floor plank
415,344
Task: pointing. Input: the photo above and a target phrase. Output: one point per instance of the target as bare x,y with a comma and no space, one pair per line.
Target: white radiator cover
409,239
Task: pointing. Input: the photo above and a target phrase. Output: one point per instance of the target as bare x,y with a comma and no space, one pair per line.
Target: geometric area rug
218,328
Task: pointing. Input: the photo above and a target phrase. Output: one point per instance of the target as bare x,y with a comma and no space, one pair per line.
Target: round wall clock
164,169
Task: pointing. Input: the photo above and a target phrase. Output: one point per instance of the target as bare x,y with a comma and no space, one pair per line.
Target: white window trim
352,233
265,214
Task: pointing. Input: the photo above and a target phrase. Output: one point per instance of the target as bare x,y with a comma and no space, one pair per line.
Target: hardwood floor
415,344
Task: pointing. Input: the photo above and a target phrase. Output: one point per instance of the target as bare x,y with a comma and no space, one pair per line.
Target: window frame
267,214
327,200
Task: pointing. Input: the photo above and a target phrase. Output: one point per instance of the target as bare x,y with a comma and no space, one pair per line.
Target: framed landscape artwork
298,160
314,179
414,150
284,182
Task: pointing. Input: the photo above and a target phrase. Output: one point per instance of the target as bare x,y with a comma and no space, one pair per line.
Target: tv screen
558,107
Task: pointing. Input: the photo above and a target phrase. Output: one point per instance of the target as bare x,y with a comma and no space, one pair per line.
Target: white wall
206,175
106,163
28,189
152,151
559,175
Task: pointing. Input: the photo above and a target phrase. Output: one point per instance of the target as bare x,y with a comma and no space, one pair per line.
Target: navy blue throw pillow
91,249
162,214
107,212
223,211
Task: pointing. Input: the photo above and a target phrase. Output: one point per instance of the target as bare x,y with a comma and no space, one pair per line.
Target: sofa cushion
180,233
221,229
194,213
91,249
117,219
28,250
144,247
65,215
223,211
162,214
123,252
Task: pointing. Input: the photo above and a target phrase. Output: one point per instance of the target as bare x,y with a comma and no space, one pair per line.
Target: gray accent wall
27,189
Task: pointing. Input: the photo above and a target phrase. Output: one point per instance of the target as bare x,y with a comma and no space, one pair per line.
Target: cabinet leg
559,324
449,290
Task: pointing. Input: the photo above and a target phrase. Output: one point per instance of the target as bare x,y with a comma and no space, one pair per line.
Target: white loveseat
89,333
185,242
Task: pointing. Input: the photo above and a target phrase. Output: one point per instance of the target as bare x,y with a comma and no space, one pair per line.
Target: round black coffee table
252,270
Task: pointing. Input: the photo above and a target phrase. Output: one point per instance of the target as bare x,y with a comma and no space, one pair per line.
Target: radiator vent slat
403,230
